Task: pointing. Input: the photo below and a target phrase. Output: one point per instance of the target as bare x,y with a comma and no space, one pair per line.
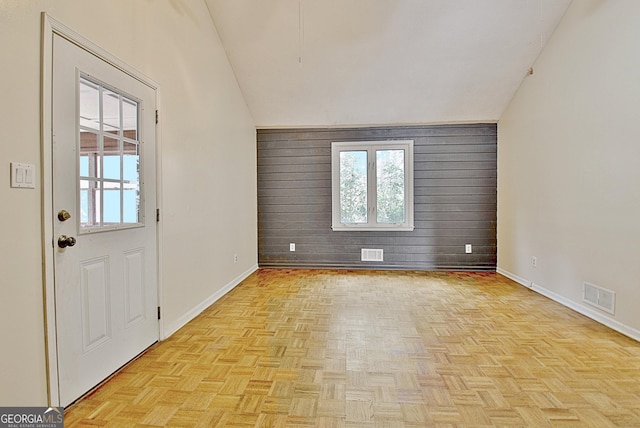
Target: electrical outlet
235,258
534,261
292,247
468,248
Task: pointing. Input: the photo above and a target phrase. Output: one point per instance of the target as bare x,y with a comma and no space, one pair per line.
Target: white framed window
372,185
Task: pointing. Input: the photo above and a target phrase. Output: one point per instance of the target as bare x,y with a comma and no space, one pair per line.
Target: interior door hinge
157,215
157,117
158,312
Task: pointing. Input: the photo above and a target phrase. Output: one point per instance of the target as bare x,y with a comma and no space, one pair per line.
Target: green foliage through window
353,187
390,186
373,185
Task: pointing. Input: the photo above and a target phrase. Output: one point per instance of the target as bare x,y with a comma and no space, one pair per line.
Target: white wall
208,164
569,163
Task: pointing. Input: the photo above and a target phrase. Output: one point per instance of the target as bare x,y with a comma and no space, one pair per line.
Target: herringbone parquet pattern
318,348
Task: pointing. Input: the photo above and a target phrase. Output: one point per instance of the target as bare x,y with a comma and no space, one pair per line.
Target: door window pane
90,203
130,162
89,105
109,158
130,118
111,112
89,154
131,204
353,187
111,202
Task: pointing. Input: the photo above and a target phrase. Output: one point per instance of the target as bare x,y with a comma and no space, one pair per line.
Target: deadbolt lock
64,215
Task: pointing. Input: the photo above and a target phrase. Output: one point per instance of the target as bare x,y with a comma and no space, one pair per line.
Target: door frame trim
51,27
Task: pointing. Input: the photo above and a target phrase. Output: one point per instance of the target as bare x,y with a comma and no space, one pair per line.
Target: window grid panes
109,158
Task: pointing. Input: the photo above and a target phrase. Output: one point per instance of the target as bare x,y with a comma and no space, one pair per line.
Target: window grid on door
110,193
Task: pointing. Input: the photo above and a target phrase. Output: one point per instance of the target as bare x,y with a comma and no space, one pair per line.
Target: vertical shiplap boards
455,176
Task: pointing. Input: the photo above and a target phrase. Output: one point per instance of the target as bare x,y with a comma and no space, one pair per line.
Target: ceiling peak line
300,32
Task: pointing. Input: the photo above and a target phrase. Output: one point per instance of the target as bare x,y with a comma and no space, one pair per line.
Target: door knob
64,215
66,241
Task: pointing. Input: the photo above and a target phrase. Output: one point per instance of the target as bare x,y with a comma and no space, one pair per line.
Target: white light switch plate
23,175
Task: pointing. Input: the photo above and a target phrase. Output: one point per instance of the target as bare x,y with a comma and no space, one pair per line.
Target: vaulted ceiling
380,62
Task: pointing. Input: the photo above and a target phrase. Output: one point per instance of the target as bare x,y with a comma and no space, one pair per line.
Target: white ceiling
378,62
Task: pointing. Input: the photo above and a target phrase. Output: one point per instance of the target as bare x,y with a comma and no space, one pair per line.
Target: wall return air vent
599,297
371,255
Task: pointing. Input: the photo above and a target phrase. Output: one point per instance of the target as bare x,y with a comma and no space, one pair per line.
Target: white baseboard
514,277
197,310
581,309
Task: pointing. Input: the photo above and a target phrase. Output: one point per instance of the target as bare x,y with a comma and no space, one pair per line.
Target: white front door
104,225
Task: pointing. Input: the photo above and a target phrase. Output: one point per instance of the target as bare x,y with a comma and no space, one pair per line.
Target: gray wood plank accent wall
455,186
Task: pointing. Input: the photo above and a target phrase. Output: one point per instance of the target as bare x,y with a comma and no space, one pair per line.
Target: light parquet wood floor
321,348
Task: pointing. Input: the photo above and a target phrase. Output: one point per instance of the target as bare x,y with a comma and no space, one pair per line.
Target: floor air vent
371,255
599,297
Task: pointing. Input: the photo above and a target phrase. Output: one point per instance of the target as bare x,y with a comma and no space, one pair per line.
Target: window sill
358,228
